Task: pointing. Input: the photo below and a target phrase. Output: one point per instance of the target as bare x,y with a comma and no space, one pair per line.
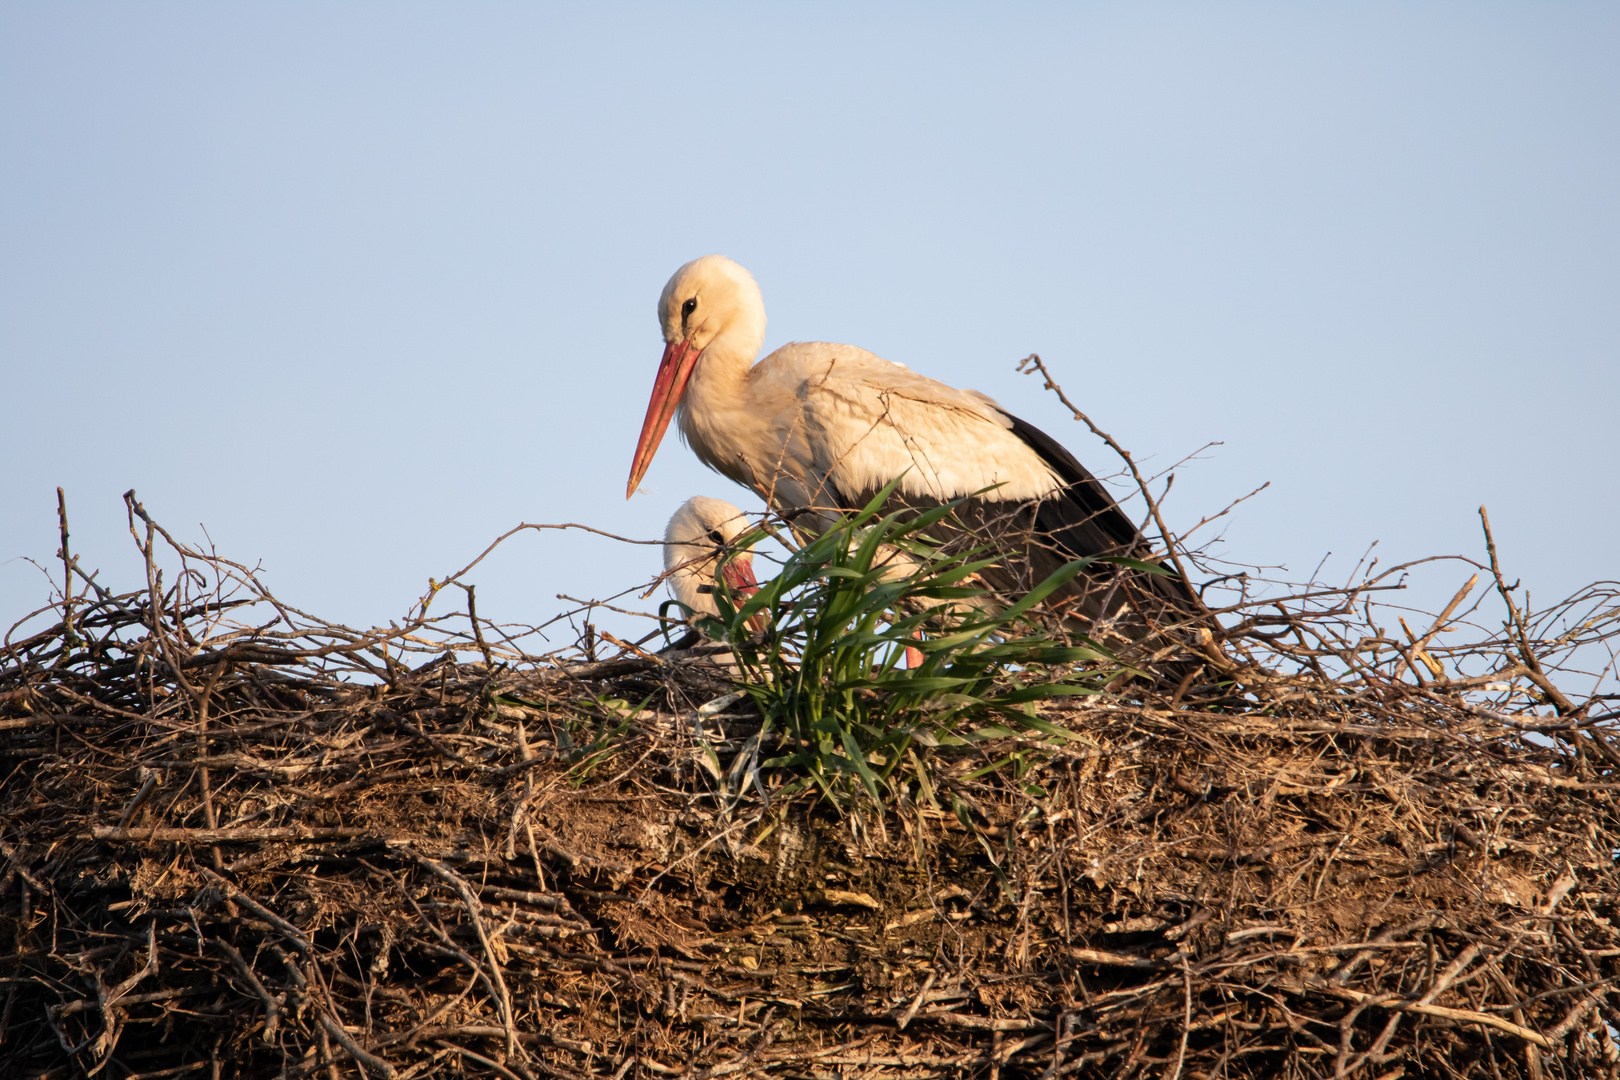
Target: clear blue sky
359,286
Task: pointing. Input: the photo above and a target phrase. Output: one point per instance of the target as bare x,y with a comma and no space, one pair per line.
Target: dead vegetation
239,841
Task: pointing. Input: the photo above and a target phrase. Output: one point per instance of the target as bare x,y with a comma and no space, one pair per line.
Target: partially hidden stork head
711,306
697,536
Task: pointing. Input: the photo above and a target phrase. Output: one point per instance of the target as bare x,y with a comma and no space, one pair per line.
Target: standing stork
821,429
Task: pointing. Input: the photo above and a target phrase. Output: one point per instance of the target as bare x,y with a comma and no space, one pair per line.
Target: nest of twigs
269,846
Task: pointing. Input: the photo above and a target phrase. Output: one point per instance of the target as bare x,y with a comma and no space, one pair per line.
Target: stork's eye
688,307
714,534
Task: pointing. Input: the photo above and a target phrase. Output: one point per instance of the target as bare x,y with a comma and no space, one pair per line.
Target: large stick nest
293,849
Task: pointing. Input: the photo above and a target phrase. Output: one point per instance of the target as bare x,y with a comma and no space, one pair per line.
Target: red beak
739,574
673,371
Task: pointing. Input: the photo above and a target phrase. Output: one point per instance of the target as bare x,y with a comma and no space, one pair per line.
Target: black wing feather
1086,521
1083,521
1085,518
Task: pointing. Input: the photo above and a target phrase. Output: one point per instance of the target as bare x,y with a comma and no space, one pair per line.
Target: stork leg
914,657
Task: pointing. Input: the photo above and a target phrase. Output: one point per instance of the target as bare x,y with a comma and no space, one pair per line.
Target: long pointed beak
673,371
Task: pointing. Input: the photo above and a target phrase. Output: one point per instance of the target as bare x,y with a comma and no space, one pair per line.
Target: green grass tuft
827,668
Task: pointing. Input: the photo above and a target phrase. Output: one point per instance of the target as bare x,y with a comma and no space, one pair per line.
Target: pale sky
357,287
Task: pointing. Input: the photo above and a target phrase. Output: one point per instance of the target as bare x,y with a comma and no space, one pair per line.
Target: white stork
694,541
821,428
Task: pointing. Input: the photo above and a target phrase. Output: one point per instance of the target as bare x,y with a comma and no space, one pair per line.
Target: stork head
693,543
711,307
